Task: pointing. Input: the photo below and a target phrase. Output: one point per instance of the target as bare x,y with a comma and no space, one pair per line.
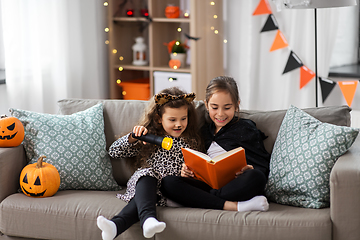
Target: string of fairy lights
186,14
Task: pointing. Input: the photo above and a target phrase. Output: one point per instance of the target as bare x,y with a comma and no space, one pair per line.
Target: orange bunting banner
279,42
262,8
348,89
305,76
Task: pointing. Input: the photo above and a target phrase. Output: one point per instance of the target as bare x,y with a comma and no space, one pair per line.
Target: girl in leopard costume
171,114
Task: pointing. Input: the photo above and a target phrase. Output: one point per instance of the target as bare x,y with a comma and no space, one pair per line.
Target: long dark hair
151,120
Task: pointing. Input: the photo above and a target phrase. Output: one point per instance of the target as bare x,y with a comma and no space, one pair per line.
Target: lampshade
304,4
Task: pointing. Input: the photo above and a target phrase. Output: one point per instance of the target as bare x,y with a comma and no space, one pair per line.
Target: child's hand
138,131
247,167
186,172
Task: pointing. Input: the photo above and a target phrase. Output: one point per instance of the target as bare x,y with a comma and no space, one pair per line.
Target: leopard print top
162,163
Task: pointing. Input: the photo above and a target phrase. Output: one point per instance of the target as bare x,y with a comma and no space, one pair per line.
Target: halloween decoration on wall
11,131
348,88
39,179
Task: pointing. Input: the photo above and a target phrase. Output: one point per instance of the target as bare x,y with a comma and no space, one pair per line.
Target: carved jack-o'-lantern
39,179
174,63
172,11
11,132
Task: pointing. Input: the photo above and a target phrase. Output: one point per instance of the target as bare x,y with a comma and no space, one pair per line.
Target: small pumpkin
174,63
39,179
11,131
172,11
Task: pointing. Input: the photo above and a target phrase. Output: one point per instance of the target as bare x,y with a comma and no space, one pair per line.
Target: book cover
216,172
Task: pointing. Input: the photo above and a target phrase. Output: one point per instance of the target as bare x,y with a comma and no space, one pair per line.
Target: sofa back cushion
121,115
269,121
119,119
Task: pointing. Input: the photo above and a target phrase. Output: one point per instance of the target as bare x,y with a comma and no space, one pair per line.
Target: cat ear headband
162,98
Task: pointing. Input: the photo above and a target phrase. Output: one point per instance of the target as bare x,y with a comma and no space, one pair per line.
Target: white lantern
139,52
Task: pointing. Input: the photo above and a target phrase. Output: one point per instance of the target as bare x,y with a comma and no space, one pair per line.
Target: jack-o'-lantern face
11,132
39,179
35,189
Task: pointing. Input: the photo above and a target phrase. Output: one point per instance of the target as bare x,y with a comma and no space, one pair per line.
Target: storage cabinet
172,79
205,54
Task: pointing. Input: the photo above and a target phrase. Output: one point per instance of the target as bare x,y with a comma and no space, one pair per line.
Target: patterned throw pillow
304,153
74,144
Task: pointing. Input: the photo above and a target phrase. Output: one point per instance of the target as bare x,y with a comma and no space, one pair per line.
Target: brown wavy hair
151,120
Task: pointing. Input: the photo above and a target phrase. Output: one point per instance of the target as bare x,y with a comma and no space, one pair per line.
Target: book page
227,154
200,154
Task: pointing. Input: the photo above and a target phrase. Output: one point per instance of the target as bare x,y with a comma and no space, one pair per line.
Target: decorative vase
139,52
181,57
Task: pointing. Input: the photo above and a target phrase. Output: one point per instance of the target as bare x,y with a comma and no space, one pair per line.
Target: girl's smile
221,109
175,120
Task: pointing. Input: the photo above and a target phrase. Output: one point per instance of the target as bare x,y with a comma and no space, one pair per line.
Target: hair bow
162,98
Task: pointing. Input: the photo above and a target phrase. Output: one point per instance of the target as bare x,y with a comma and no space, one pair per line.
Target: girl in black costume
225,132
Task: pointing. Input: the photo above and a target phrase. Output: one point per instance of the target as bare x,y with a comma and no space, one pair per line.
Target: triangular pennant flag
262,8
326,87
279,42
348,89
270,24
293,63
305,76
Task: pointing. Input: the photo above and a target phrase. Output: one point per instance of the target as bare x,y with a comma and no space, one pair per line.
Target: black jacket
240,132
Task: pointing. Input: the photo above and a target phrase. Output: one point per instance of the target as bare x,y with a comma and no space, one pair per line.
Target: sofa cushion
74,144
304,153
72,215
269,121
69,214
281,222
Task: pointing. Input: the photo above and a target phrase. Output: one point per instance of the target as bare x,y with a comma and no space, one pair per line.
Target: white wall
2,55
83,75
3,92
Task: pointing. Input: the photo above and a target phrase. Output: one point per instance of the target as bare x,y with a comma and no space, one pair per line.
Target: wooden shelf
206,53
130,19
173,20
132,67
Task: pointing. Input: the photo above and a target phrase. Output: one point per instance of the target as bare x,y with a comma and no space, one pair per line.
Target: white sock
257,203
152,226
107,227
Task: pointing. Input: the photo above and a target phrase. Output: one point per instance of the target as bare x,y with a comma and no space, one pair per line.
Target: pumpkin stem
40,162
3,116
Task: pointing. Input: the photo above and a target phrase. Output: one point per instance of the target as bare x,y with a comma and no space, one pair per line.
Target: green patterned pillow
304,153
74,144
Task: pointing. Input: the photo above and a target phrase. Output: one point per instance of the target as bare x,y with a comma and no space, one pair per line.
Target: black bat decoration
191,38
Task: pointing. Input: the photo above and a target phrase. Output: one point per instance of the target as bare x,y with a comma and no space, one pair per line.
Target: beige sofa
71,214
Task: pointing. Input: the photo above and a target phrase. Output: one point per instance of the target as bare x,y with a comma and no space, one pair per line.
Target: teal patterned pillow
74,144
304,153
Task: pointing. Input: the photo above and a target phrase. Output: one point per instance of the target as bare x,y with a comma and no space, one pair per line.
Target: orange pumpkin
174,63
39,179
172,11
11,131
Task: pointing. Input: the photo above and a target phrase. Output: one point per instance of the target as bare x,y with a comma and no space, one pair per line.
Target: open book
216,172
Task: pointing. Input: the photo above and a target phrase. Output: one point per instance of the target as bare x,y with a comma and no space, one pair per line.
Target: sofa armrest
12,161
345,194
